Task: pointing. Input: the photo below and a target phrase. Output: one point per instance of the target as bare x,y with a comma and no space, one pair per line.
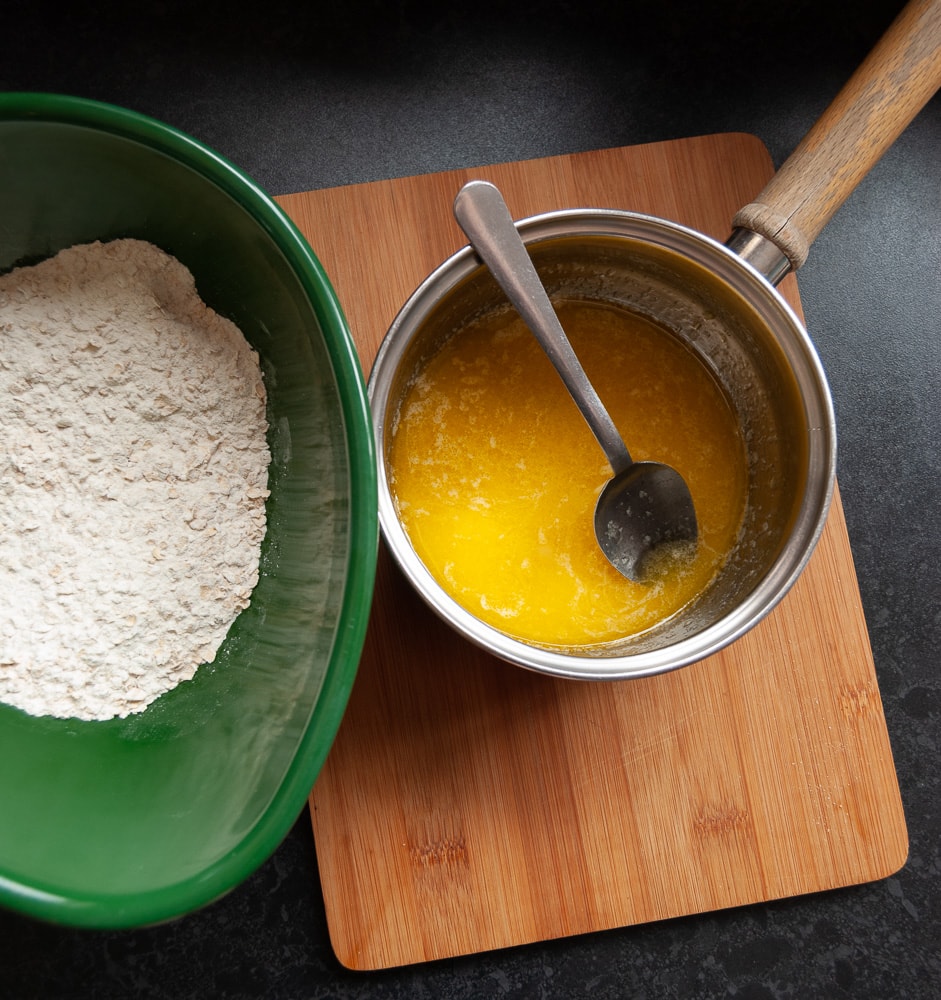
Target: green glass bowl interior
138,820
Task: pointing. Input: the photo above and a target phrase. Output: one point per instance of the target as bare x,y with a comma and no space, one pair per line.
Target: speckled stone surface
310,95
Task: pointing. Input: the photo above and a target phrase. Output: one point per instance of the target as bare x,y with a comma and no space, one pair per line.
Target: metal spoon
646,504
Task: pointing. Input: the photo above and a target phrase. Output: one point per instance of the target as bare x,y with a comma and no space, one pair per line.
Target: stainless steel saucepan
722,301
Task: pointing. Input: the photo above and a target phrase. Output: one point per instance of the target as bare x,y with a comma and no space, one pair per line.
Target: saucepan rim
745,281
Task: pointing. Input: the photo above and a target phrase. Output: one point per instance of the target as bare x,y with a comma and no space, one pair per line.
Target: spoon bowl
641,512
646,505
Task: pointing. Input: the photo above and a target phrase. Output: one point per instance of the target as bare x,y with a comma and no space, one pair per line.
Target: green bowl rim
169,902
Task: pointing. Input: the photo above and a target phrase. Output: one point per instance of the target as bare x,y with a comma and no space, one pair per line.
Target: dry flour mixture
133,476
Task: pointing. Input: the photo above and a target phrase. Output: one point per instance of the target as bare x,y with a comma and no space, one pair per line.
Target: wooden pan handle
891,86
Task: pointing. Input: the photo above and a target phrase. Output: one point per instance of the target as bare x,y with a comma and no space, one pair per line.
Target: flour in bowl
133,478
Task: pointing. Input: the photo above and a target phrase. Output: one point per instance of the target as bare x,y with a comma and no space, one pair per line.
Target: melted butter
495,473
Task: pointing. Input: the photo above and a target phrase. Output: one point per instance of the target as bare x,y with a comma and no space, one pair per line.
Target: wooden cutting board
470,805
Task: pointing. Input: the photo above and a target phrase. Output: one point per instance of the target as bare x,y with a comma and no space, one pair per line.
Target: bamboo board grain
468,805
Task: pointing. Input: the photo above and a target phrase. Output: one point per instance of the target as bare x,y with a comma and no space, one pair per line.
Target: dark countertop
302,97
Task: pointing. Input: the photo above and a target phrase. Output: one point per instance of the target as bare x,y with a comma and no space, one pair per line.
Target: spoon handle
483,215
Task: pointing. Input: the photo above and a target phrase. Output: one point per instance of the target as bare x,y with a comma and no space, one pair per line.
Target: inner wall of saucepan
732,341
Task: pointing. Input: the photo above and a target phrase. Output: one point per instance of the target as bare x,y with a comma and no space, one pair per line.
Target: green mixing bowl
138,820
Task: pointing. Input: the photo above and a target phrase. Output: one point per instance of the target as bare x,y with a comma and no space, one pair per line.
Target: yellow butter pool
495,473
